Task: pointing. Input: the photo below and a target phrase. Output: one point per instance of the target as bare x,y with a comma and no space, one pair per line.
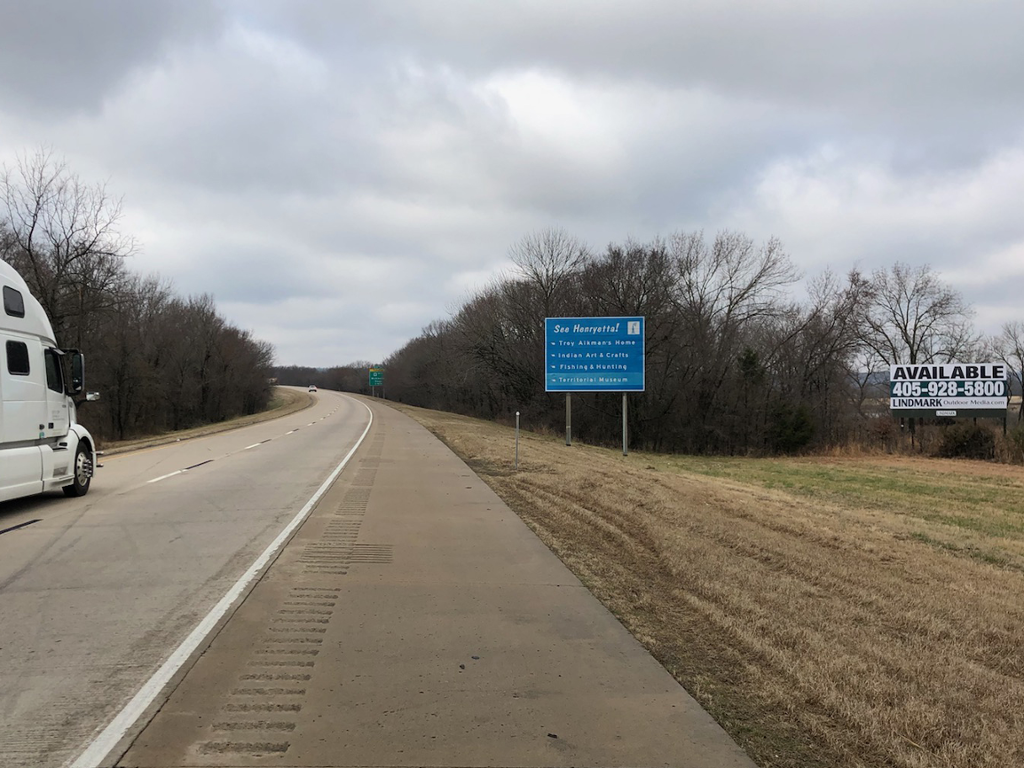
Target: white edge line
164,477
110,736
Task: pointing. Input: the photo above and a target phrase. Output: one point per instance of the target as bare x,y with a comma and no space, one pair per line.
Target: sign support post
376,380
594,354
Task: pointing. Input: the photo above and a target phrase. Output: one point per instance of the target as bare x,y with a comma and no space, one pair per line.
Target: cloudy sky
339,174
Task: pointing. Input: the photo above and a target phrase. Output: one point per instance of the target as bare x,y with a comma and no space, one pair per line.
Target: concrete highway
96,592
411,620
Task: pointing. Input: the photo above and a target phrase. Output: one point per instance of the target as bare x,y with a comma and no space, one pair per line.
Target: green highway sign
376,377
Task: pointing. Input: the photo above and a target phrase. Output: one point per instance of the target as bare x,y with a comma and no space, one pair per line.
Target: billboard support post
948,390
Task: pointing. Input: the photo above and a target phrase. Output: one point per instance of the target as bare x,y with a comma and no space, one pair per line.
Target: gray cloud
59,57
902,61
340,174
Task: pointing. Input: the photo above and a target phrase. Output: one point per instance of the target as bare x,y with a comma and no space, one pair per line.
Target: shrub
1015,437
883,430
790,428
967,441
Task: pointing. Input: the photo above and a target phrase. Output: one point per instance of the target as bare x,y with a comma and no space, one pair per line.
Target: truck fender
79,434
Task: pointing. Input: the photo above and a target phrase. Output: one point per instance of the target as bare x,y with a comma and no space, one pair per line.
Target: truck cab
42,445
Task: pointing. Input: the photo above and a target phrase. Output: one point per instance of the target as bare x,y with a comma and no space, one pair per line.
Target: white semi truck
42,445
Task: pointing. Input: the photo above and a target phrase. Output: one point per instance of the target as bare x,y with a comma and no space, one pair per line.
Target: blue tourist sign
594,354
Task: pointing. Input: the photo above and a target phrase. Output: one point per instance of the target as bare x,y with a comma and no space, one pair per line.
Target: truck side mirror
77,373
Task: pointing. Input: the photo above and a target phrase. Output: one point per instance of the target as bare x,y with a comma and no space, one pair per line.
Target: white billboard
953,389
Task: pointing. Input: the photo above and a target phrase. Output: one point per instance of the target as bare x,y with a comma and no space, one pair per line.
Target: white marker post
625,428
568,418
517,439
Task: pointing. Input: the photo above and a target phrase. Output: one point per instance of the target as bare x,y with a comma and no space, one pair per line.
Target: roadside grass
827,612
282,403
946,500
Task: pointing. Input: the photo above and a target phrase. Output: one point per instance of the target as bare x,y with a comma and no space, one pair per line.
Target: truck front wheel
83,473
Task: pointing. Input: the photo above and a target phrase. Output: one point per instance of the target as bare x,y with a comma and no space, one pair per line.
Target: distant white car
312,387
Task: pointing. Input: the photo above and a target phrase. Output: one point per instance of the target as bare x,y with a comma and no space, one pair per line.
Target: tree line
159,360
734,362
353,377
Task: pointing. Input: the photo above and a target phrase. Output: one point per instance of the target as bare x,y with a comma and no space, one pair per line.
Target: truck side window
53,378
14,302
17,358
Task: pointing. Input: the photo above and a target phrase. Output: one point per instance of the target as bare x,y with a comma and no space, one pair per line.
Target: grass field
827,612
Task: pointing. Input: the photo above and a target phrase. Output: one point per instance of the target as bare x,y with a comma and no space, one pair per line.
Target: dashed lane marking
27,523
104,743
247,448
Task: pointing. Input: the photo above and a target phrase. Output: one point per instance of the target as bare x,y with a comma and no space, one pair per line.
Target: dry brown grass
827,612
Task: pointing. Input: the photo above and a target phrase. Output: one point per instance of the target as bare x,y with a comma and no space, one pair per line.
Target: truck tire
83,473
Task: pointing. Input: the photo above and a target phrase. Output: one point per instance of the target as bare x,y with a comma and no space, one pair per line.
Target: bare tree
1009,347
723,291
818,349
915,318
126,364
637,279
62,235
732,281
549,261
502,330
6,240
161,361
733,364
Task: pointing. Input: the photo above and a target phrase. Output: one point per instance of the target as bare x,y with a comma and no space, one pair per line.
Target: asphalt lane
96,592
